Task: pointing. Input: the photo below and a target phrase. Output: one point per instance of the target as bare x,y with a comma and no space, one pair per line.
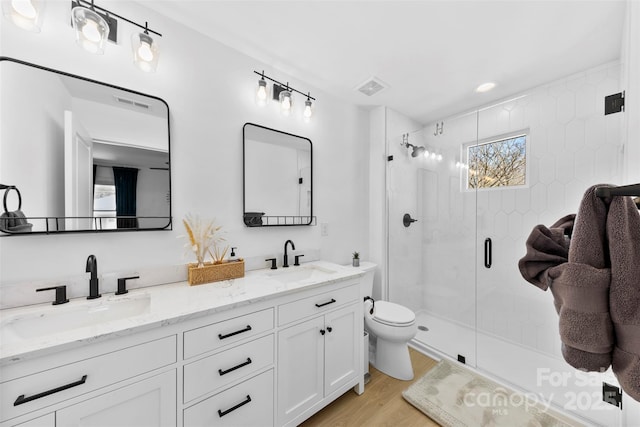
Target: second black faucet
92,267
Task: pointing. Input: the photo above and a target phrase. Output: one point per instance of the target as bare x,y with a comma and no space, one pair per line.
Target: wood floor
381,404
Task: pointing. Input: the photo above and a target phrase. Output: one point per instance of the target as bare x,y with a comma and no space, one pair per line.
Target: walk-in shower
496,173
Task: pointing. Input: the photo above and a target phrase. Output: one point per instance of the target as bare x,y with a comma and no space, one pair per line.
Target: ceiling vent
132,103
371,86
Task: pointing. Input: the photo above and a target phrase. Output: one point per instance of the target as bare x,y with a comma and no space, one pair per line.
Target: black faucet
285,260
92,267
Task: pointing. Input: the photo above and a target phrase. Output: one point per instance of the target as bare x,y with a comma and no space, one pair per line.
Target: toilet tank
366,283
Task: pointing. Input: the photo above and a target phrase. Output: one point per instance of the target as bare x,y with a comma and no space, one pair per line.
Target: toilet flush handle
373,304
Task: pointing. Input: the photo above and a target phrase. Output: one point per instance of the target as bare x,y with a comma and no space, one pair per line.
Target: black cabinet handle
248,362
21,399
322,331
326,303
244,402
247,329
488,255
329,329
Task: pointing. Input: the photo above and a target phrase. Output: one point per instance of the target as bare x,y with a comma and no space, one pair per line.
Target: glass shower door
432,261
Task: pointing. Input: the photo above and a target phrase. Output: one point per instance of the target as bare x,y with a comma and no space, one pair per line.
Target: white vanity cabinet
147,403
115,382
319,354
262,358
228,372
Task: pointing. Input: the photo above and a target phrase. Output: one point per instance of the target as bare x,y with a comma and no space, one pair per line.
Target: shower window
497,163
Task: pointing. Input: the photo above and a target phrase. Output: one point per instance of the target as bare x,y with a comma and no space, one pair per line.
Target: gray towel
623,229
546,248
597,290
580,289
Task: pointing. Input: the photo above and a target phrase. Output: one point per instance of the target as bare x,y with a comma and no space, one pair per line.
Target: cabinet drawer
320,303
214,372
60,383
248,404
211,337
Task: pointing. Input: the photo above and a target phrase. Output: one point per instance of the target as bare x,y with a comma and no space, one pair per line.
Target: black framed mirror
277,177
82,155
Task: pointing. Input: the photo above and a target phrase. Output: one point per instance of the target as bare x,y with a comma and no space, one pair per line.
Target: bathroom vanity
271,348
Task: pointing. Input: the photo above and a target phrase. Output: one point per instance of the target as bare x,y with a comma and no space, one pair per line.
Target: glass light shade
308,110
26,14
92,30
145,52
262,92
286,102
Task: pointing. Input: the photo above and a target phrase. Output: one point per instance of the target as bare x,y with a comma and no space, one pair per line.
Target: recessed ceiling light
485,87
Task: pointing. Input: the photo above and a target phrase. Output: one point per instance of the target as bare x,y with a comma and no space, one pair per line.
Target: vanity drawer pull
21,399
244,402
247,329
325,303
248,362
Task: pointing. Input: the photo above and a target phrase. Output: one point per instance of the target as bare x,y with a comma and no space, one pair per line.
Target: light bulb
144,51
439,157
426,153
24,8
285,102
261,93
308,112
91,32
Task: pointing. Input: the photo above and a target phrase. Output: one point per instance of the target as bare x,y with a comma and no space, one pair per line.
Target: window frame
494,139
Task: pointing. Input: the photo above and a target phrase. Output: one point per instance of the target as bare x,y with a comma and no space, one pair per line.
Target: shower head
417,151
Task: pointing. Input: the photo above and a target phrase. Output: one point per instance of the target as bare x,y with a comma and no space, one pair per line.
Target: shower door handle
488,255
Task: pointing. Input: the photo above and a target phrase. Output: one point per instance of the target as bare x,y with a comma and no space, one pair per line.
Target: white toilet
391,326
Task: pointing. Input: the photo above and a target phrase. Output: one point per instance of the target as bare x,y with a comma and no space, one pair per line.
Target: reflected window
498,163
104,206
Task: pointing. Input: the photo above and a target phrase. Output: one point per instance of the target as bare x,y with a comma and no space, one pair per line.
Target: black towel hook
7,189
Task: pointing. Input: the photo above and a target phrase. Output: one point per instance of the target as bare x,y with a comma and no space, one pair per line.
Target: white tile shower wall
572,146
209,88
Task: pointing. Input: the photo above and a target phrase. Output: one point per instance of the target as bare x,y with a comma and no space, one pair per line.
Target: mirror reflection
277,177
80,154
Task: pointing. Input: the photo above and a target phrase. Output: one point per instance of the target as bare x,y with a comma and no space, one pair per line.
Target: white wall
210,92
33,139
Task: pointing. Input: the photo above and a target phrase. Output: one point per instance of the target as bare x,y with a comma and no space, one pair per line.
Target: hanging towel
623,229
597,290
546,248
580,289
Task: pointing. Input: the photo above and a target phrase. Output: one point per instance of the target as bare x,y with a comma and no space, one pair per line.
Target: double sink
37,322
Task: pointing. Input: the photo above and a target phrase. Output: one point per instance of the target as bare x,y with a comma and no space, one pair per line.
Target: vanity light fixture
283,93
26,14
94,25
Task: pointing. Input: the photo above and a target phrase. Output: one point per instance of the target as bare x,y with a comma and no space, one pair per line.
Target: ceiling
431,54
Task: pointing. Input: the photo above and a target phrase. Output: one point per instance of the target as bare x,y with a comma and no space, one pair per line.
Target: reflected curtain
126,181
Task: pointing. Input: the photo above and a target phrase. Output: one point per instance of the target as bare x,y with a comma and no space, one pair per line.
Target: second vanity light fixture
283,94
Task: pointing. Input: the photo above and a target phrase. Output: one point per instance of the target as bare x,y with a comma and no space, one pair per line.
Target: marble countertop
36,330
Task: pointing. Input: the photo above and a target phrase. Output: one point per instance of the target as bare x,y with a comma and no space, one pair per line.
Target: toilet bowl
391,326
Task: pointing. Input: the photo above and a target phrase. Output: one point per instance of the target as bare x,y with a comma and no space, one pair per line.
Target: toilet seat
392,314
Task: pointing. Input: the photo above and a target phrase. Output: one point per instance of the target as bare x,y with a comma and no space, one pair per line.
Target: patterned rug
455,396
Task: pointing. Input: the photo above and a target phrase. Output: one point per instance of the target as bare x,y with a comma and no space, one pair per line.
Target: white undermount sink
74,315
300,273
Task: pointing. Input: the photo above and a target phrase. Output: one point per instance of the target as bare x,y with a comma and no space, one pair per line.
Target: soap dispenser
232,256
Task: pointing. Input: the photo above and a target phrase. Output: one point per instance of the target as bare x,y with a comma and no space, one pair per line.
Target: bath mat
454,396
